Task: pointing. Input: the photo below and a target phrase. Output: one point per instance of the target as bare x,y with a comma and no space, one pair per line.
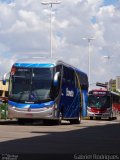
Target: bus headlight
89,109
13,107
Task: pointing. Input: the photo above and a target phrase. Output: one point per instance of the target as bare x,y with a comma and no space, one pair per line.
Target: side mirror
56,78
4,81
4,78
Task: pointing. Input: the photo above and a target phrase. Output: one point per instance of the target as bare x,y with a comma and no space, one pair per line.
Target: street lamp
51,4
89,40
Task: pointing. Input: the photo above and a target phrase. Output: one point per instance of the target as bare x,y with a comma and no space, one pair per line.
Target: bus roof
98,90
42,62
35,62
104,90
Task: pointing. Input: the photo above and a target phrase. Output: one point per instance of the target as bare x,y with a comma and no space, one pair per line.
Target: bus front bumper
102,115
41,113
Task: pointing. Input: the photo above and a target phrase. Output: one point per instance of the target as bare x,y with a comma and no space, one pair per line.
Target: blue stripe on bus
24,105
29,65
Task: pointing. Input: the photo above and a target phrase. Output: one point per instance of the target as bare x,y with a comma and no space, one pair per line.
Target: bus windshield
99,101
31,85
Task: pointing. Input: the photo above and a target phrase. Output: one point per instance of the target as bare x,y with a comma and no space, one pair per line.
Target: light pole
51,4
108,58
89,69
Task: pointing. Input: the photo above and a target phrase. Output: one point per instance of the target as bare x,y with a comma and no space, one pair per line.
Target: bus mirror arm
4,78
56,78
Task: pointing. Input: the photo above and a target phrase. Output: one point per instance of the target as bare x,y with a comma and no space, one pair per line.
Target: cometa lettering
69,93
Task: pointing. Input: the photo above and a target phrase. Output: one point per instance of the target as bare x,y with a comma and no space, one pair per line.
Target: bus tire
46,122
57,122
21,121
52,122
98,118
75,121
114,118
111,117
91,118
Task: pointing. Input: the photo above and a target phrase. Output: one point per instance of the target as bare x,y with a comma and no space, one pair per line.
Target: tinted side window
68,75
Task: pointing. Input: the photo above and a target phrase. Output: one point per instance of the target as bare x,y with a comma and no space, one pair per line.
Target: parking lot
89,137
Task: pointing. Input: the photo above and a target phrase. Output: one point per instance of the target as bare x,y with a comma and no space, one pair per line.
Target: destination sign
99,93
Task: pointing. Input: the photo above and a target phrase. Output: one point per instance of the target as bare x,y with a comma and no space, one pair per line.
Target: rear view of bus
99,104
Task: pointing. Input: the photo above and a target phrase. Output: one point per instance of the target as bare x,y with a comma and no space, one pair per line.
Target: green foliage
3,111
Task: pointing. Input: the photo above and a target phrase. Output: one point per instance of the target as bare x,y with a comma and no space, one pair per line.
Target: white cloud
25,31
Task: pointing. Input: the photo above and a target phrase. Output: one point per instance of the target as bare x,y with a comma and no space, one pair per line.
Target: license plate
29,114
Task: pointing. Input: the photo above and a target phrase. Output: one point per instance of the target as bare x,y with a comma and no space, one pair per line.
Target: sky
25,32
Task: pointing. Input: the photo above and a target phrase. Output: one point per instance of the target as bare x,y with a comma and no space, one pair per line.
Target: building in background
3,91
118,83
112,84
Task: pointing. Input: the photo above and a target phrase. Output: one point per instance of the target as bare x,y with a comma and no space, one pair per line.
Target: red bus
103,104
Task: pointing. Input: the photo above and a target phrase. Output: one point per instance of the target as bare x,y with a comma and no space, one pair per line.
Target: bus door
85,103
69,104
115,104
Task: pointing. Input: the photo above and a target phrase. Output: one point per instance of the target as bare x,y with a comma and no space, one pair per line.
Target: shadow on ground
91,140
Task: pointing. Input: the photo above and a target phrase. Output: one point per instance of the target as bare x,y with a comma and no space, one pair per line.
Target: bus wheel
91,118
114,118
98,118
46,122
75,121
21,121
52,122
57,122
111,117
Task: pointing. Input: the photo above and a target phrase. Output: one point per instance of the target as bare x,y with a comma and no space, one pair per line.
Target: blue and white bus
46,89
